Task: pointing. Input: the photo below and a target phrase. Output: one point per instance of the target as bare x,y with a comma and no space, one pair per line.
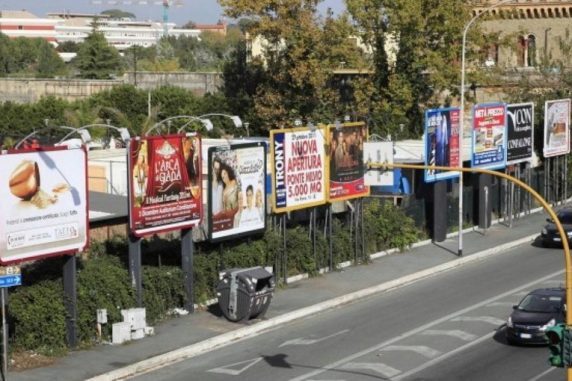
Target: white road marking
422,328
385,370
484,319
555,282
542,374
420,349
444,357
303,341
227,369
501,304
466,336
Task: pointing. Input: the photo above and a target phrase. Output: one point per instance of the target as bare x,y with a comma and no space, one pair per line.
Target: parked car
549,233
536,312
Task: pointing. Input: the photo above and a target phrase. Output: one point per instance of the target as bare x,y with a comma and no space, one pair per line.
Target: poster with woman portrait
346,162
237,182
164,183
556,128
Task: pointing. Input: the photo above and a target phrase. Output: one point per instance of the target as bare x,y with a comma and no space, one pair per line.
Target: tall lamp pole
462,124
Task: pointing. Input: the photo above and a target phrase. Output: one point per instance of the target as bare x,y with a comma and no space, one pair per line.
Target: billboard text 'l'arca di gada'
237,184
44,203
164,183
298,168
346,164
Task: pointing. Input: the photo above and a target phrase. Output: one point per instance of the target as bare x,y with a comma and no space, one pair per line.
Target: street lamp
235,119
85,136
123,132
206,122
462,124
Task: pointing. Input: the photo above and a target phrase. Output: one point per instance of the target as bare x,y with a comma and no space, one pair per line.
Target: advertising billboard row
442,142
43,203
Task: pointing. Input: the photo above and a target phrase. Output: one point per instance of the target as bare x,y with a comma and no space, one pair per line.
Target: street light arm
33,133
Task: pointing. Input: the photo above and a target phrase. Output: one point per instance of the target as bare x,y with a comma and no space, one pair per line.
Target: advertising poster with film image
237,182
556,127
520,137
346,163
298,168
44,204
489,136
442,142
164,183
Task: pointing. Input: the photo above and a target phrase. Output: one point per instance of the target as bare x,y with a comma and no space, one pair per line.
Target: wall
28,90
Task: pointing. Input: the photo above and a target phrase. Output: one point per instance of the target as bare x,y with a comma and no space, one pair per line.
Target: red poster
164,183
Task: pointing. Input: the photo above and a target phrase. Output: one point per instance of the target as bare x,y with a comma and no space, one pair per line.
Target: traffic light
555,337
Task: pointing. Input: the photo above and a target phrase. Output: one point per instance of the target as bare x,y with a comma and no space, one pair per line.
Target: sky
198,11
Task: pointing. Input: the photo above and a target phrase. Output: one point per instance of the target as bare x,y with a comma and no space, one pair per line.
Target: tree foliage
118,14
96,59
29,57
302,50
427,37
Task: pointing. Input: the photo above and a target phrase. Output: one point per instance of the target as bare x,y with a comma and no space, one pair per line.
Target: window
531,51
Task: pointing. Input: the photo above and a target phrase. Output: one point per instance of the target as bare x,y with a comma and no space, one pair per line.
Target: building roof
23,14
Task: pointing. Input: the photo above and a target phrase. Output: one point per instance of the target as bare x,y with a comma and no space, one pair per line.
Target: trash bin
245,293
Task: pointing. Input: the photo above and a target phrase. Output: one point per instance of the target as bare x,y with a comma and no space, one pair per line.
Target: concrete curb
266,325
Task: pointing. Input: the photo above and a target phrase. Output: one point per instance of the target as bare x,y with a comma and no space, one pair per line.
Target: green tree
49,63
301,54
118,14
96,59
427,36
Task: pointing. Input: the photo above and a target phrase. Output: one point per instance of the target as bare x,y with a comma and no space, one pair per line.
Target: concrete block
120,333
137,334
136,317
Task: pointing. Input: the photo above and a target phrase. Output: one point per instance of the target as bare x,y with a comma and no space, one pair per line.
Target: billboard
43,203
442,142
378,153
520,136
237,180
346,167
556,128
298,160
489,136
164,176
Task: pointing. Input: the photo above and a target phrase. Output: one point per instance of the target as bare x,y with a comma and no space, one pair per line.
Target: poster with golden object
43,204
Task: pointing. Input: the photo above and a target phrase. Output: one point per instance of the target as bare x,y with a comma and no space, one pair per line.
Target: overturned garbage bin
245,293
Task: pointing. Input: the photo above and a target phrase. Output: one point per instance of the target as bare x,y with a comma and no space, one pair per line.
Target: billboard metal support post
187,248
285,256
331,238
4,337
135,267
70,299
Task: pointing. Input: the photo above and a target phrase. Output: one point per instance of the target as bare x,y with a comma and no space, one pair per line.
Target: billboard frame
522,160
566,151
446,175
496,164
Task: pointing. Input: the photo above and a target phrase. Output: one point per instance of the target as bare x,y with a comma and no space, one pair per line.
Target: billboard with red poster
164,183
237,182
346,163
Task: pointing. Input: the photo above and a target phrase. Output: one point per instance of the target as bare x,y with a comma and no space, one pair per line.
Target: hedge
37,312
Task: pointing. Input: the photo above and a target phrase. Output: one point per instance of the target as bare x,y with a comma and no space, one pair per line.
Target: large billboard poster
556,128
43,203
489,136
442,142
298,168
346,162
520,136
237,182
164,183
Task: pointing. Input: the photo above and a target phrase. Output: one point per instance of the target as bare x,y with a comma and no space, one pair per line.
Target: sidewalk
190,335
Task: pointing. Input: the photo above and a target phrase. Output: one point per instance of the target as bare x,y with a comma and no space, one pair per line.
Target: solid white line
542,374
444,357
422,328
484,319
385,370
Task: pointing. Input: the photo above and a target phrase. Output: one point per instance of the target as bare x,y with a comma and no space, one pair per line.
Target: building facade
533,29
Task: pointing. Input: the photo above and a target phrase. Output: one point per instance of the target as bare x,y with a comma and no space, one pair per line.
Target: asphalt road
448,327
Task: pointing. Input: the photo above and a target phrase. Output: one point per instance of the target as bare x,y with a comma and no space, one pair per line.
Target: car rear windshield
541,303
565,218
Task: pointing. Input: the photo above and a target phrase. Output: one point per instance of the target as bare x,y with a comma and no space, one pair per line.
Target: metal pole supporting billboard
135,267
462,122
187,248
70,299
4,337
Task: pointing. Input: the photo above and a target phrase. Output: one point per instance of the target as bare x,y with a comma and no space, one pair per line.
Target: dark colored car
536,312
549,233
